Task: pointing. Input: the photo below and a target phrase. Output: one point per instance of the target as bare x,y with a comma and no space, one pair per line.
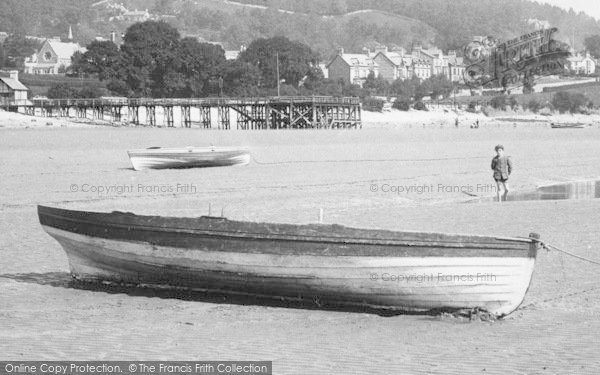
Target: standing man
502,167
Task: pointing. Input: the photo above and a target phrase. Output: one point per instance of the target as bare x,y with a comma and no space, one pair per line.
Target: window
47,56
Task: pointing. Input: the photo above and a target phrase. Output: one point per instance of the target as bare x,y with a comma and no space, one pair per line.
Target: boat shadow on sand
64,280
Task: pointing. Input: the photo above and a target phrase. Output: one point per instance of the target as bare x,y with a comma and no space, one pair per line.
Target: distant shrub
534,106
373,104
472,106
498,102
92,92
564,101
401,104
561,101
420,106
61,91
513,103
118,87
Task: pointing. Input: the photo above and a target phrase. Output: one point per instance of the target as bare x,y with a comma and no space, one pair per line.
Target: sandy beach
367,177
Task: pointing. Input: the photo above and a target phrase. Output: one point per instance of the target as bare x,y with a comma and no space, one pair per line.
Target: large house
397,64
456,67
12,92
353,68
53,57
392,64
581,64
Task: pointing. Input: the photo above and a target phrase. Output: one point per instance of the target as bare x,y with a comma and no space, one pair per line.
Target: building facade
420,63
12,92
581,64
53,57
352,68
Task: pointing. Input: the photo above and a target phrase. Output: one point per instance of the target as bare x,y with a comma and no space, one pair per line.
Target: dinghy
188,157
330,263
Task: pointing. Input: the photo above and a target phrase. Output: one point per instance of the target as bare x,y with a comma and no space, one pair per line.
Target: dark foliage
372,104
401,104
572,102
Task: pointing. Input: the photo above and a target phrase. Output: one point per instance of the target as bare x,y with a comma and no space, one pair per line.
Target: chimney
340,51
113,37
70,36
381,48
13,74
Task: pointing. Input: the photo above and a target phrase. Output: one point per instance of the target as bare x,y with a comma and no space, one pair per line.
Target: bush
534,105
401,104
61,91
373,104
91,92
498,102
564,101
420,106
512,101
472,107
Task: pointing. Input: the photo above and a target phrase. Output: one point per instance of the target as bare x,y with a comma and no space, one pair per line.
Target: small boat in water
567,125
406,271
188,157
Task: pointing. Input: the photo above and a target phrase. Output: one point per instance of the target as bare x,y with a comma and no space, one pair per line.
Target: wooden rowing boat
567,125
188,157
337,264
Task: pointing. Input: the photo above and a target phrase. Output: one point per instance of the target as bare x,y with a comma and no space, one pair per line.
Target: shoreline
440,117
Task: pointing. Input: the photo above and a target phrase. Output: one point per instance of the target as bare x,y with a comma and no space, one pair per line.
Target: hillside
324,25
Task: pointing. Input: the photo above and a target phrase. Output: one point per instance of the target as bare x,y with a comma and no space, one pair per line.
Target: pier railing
211,102
275,112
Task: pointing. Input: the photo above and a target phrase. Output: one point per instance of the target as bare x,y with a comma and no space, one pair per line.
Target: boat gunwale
460,243
187,150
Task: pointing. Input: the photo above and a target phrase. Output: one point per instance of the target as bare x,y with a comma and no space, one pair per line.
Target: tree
377,85
150,51
296,60
440,86
592,45
102,58
199,63
16,49
61,91
240,78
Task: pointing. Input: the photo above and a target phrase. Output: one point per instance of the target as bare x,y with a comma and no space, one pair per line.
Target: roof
136,12
13,84
356,59
65,50
455,60
231,55
394,57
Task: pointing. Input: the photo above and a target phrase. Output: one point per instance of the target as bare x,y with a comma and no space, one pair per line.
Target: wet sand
360,178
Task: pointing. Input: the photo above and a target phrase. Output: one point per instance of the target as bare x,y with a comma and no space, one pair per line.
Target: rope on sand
361,160
550,247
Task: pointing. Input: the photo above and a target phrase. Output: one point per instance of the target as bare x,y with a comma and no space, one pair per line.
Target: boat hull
188,158
372,273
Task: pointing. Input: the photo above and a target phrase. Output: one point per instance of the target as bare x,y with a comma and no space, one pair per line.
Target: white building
353,68
581,64
53,56
12,92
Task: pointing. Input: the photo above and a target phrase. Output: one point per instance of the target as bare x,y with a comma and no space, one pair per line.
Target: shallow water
575,190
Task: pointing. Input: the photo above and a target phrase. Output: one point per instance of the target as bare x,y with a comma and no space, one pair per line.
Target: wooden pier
311,112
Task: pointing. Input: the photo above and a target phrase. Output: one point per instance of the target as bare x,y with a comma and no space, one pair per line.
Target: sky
591,7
